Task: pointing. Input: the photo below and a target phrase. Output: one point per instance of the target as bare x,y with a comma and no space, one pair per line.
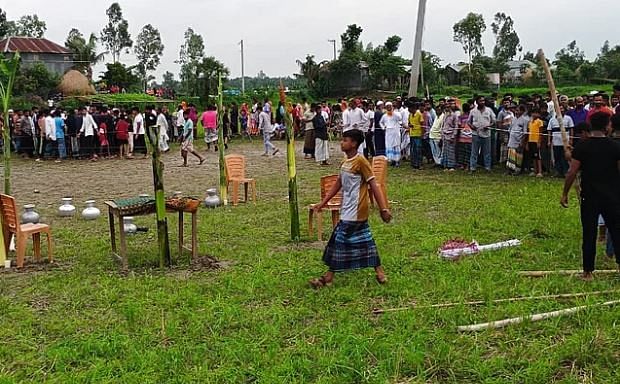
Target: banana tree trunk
9,69
292,168
221,143
160,199
7,177
7,153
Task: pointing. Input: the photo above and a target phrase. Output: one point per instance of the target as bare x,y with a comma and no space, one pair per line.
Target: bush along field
252,317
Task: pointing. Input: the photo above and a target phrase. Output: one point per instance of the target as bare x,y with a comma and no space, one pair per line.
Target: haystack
74,83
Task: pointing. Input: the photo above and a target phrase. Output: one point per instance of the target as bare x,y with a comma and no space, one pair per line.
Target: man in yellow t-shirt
416,132
534,134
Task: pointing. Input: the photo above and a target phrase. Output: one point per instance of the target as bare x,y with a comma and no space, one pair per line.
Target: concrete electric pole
334,43
417,50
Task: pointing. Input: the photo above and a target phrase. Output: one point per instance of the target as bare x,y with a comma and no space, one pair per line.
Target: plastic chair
380,170
327,182
235,175
11,226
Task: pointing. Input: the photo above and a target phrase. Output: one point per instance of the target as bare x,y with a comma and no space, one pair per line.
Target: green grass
258,322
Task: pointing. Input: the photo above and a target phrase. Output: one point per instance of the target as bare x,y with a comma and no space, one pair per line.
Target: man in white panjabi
392,122
162,124
404,132
353,117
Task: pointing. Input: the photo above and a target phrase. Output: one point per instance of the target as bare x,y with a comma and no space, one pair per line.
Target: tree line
198,72
380,68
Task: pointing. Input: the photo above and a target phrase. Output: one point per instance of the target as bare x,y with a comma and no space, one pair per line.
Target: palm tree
310,70
85,54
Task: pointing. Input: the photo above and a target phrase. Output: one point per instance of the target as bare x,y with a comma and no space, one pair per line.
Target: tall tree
85,54
310,70
531,56
4,26
608,62
507,42
148,50
190,57
350,39
384,65
210,69
35,80
121,76
115,36
570,57
169,82
27,26
468,32
431,71
567,62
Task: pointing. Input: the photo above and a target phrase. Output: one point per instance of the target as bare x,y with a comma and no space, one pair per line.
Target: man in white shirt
264,124
87,132
368,129
481,119
180,123
353,117
555,140
405,140
392,123
50,134
139,143
162,124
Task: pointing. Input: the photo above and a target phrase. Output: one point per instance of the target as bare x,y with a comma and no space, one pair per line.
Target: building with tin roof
56,58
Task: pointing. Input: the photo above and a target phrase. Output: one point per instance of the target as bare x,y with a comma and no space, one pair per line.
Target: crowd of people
523,134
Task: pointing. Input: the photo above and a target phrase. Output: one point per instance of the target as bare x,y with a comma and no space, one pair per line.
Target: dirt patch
206,263
33,268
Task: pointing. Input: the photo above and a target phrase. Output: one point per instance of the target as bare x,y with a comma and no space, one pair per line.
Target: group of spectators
86,132
522,133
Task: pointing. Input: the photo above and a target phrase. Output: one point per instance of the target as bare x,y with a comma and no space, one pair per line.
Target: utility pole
242,70
417,50
333,42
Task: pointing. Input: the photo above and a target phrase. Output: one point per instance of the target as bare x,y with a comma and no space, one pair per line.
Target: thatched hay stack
74,83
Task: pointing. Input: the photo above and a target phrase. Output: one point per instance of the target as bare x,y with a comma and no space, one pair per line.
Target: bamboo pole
160,198
532,318
554,97
292,168
482,302
220,142
562,272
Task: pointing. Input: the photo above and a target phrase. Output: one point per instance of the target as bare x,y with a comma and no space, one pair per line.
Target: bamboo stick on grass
532,318
509,300
564,273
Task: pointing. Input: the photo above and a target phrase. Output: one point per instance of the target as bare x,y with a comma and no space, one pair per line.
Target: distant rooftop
31,45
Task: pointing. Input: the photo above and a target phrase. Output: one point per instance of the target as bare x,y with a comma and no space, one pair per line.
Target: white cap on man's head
379,103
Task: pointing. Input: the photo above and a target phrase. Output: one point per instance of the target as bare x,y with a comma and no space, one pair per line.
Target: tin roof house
56,58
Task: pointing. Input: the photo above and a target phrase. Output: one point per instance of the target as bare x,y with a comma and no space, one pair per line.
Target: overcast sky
278,32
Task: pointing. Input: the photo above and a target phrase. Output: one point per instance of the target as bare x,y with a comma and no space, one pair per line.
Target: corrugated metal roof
31,45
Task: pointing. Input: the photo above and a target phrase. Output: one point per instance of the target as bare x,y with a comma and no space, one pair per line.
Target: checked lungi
351,247
448,155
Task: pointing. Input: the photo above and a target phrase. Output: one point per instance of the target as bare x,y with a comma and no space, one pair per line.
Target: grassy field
256,320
